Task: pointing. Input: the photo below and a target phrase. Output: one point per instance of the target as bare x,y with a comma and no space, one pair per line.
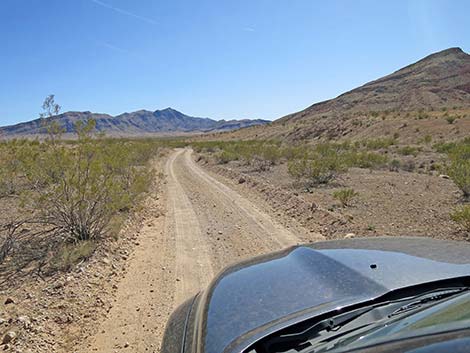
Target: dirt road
206,226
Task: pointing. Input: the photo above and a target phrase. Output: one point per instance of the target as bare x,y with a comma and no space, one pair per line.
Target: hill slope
438,82
141,122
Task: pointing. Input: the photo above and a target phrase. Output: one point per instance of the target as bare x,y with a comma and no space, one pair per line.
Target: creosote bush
462,217
345,196
451,119
317,164
77,189
459,167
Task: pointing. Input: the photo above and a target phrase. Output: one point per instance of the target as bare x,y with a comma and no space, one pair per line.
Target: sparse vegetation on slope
69,192
458,164
462,217
345,196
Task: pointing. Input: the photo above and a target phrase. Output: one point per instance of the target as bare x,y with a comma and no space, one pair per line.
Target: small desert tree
50,109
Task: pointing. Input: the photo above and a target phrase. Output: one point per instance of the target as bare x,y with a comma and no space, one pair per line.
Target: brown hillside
417,100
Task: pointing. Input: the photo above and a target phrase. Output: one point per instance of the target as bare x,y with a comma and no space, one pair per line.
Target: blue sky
212,58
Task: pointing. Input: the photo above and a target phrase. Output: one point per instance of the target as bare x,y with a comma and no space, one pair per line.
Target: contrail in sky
124,12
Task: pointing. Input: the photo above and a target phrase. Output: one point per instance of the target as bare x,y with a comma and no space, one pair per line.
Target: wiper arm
426,298
329,324
324,330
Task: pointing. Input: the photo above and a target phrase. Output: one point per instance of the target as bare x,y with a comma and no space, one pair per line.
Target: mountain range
416,100
436,85
142,122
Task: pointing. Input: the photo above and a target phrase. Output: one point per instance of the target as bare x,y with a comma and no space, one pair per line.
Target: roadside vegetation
67,196
313,165
345,196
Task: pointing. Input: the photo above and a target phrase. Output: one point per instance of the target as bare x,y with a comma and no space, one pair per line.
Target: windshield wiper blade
329,324
426,298
324,331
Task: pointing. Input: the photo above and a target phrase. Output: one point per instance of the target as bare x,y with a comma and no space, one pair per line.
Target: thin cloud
248,29
124,12
114,47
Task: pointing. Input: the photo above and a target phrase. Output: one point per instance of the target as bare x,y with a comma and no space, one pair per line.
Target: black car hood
255,298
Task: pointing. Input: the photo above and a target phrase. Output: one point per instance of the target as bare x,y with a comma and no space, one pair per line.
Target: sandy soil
387,203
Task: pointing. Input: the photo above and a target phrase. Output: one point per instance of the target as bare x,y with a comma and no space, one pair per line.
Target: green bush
77,189
365,160
408,150
451,119
462,217
444,147
223,157
319,170
459,167
345,196
379,143
394,165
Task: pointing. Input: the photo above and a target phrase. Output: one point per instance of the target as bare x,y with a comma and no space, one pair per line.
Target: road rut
206,226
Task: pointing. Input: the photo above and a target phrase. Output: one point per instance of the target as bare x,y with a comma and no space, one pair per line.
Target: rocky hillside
166,121
439,80
429,90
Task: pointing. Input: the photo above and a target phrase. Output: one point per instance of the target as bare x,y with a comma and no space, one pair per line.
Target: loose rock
9,336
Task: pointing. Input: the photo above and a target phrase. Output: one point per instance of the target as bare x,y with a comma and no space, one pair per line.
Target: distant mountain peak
438,80
455,53
453,50
140,122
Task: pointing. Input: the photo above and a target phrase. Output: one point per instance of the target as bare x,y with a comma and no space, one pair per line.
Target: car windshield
438,310
449,315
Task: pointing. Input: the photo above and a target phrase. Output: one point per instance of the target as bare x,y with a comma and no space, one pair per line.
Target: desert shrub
319,170
223,157
444,147
252,153
423,115
462,217
427,139
365,159
394,165
68,255
77,189
8,237
408,150
7,173
379,143
451,119
408,165
459,168
269,153
345,196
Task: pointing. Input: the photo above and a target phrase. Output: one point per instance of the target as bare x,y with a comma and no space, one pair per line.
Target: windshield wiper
327,330
426,298
330,324
359,328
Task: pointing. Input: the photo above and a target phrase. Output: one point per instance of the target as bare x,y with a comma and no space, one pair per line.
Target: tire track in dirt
234,227
193,265
206,226
280,235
